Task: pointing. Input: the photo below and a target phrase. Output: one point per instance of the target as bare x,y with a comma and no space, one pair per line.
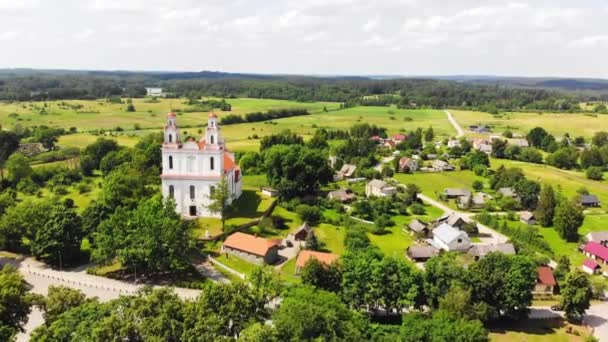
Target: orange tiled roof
249,243
326,258
545,276
228,162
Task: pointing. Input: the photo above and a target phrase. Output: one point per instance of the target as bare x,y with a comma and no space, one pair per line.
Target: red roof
250,244
201,144
399,137
171,115
228,162
596,249
325,258
390,142
545,276
375,138
212,115
591,264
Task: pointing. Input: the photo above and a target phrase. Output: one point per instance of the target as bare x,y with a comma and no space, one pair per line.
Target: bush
595,173
417,209
83,188
309,214
477,185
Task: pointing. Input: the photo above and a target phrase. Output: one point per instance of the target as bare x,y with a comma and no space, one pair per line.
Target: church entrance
192,210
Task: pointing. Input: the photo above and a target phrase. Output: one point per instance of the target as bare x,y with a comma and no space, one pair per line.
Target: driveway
597,319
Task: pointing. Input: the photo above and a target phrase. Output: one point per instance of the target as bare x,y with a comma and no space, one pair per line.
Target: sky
323,37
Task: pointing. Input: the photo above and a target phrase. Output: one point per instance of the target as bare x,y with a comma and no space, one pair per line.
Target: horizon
520,38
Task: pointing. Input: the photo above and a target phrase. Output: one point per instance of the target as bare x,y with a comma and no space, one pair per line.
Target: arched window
171,191
170,138
212,139
212,163
192,192
171,162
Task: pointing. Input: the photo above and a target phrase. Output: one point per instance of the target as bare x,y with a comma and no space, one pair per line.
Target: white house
192,170
449,238
153,91
379,188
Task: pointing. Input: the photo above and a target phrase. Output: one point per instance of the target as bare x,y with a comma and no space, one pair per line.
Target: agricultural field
576,124
89,115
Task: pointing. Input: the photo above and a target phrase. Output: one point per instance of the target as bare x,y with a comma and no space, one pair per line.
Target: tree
595,173
528,191
59,300
546,206
411,193
441,327
441,273
9,143
15,303
531,155
536,135
458,303
220,201
592,157
18,167
568,218
322,276
562,269
307,314
24,220
564,158
311,242
477,185
357,277
99,149
600,138
130,108
576,295
124,186
395,285
259,332
429,134
150,238
309,214
498,148
58,240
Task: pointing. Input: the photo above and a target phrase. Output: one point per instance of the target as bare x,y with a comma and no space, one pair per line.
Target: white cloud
9,35
590,42
85,34
19,5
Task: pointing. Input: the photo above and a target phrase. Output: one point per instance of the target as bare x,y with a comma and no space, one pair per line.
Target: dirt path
457,127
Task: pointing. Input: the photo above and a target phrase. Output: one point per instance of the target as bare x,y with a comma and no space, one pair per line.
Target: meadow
575,124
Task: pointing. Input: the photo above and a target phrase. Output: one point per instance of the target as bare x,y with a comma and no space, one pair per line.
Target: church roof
228,162
171,115
212,115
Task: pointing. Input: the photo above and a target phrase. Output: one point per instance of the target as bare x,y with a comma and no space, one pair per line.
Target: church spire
171,129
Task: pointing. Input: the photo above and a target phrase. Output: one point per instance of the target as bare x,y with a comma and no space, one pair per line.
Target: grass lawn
287,272
83,139
568,181
331,237
558,124
236,264
536,331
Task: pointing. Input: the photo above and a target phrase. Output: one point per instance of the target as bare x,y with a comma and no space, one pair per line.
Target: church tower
212,136
171,130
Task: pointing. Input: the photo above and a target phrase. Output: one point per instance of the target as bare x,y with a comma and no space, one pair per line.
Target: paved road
41,277
496,236
457,127
597,318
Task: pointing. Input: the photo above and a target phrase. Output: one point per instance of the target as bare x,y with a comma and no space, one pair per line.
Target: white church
192,170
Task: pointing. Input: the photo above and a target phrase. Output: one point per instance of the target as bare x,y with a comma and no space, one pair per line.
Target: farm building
477,201
452,219
251,248
418,227
440,166
590,267
154,91
450,193
399,138
480,251
346,171
508,192
589,201
301,233
599,237
379,188
545,281
421,253
408,164
596,251
453,143
342,195
527,217
305,256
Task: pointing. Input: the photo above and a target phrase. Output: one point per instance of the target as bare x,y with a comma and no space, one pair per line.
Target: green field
99,114
576,124
536,331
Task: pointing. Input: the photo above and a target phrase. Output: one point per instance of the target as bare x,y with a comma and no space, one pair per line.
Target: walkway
457,127
384,160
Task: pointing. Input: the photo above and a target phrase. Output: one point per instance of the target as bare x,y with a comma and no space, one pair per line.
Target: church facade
192,170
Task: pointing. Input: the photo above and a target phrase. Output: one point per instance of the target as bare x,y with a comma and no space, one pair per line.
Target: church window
212,140
170,162
171,191
192,191
170,138
212,163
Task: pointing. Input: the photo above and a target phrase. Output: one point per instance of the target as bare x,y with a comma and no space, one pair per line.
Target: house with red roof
545,281
590,267
398,138
251,248
305,256
596,251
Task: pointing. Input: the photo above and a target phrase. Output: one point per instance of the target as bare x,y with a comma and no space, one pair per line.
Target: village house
399,138
596,251
341,195
408,164
480,251
545,281
449,238
590,267
421,253
346,171
519,142
589,201
391,144
479,128
305,256
450,193
527,217
251,248
379,188
440,166
453,143
508,192
268,191
599,237
476,201
154,91
452,219
300,235
418,227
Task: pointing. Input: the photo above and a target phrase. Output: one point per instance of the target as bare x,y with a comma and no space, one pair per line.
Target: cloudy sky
405,37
